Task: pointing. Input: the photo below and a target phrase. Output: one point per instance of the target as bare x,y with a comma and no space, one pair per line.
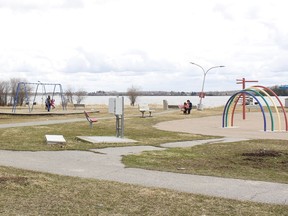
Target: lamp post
200,105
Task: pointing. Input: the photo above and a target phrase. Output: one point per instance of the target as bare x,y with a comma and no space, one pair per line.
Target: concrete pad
55,139
191,143
250,128
105,139
126,150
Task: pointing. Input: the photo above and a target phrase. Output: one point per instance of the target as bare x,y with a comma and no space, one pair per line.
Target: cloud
146,43
132,61
40,5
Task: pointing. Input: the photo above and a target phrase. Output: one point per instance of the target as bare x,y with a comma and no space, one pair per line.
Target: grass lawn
33,193
140,129
264,160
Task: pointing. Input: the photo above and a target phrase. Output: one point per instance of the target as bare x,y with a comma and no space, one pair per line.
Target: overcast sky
111,45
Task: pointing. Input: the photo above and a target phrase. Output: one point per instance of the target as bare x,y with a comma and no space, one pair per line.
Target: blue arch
227,105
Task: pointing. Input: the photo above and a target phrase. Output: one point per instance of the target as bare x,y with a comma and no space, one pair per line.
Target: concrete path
105,164
251,128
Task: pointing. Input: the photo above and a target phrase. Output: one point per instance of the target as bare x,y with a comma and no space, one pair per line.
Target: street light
200,105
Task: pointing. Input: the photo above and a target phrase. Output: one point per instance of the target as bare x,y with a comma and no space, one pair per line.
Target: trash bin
165,105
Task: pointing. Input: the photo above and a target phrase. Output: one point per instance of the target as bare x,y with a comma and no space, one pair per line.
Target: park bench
249,107
181,107
91,120
79,105
145,108
173,106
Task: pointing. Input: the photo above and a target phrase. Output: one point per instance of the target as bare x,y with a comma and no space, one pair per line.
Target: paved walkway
105,164
251,128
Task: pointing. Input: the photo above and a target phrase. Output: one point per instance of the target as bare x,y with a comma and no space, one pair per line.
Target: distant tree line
142,93
280,91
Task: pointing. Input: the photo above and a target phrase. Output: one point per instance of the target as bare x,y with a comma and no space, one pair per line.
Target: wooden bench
173,106
249,107
79,105
145,108
91,120
181,107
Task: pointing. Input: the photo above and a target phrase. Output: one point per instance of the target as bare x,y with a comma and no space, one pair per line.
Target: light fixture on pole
202,95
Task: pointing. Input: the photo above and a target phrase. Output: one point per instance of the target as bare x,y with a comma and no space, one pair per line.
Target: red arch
276,96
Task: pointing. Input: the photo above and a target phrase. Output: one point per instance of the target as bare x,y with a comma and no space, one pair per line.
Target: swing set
24,86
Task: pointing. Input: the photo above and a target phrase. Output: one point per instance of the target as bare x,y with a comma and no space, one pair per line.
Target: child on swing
52,103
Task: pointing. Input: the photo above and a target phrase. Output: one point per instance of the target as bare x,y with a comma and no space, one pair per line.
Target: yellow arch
273,102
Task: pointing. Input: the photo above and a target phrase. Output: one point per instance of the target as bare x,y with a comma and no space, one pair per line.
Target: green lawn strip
10,118
33,193
264,160
32,138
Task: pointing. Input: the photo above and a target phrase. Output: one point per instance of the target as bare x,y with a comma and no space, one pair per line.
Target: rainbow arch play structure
257,92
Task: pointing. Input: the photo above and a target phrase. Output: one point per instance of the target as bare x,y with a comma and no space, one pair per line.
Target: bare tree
4,91
133,93
80,95
69,95
13,88
22,92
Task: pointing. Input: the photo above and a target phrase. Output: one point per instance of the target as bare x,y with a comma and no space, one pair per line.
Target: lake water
172,100
208,101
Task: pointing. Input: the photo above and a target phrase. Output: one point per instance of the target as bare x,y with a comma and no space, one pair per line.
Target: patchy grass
141,129
33,193
265,160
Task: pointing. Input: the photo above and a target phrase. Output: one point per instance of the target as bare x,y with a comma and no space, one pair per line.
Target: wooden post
243,82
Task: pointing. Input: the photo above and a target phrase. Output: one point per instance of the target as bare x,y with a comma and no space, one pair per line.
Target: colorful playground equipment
260,94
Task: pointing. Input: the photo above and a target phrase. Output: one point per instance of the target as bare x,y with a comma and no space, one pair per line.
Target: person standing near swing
48,103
